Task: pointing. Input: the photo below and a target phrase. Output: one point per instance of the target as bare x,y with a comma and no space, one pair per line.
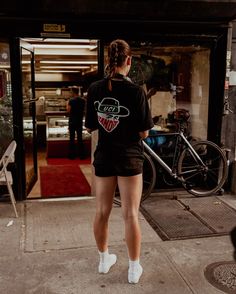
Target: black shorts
128,168
124,164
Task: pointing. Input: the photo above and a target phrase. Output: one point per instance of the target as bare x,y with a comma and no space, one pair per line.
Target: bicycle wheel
149,180
202,180
149,176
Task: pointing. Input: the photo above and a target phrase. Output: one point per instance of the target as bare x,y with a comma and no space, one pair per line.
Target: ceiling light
54,40
53,46
61,66
60,71
5,66
67,62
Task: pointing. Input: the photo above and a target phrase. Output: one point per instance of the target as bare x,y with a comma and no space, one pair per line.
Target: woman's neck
122,71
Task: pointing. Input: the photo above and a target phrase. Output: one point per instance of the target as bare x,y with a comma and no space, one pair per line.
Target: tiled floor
36,193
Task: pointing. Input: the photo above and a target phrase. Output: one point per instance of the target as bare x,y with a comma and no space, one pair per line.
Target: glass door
29,114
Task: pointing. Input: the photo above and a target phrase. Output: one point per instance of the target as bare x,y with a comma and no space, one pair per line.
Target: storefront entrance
177,72
173,76
49,69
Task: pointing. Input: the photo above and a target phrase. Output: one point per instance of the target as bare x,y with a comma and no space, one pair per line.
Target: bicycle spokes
204,174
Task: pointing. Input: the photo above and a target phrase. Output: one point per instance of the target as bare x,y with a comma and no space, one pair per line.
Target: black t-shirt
77,105
120,114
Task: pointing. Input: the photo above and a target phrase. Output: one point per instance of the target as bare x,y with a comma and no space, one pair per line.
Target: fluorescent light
53,46
72,67
88,41
4,66
67,62
68,40
52,40
59,71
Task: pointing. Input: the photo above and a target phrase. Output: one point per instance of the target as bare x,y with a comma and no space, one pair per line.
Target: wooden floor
36,192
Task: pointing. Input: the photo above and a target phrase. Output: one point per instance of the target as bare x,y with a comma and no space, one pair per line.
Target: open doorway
60,66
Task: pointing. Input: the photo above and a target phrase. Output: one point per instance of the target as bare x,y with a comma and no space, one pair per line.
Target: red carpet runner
59,181
63,161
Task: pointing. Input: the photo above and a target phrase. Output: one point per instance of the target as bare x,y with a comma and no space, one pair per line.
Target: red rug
67,161
60,181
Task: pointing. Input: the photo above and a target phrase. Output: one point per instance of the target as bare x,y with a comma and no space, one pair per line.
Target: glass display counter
57,128
28,127
58,136
55,104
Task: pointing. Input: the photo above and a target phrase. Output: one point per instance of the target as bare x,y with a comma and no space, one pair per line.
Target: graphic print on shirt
109,112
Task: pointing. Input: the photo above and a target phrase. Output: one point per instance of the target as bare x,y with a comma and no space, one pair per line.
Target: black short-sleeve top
77,105
120,114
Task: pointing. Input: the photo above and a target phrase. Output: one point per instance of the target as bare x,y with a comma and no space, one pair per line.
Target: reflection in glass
28,120
6,116
173,77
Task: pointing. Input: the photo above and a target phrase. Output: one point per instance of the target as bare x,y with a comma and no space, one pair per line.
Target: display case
57,128
28,127
52,100
55,104
58,136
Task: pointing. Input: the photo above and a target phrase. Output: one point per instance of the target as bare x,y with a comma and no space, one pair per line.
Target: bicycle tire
201,181
149,180
149,176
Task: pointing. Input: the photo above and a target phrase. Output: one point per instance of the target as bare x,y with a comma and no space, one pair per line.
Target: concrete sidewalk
50,249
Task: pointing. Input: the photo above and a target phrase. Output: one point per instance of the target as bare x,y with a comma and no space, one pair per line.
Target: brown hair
118,50
75,90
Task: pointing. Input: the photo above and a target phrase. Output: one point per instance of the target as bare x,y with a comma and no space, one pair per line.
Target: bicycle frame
163,164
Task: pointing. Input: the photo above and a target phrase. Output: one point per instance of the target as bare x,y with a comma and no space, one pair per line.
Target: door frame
17,105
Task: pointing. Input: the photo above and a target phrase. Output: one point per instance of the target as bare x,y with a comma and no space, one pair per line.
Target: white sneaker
105,266
134,274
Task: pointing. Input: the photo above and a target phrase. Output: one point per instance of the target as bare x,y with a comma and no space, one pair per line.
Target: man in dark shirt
75,108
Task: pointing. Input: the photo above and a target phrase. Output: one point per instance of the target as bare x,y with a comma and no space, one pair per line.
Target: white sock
135,271
106,261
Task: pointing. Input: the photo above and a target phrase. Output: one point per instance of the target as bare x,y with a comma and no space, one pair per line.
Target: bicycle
201,166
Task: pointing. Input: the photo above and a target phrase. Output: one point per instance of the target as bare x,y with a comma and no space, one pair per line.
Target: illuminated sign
57,28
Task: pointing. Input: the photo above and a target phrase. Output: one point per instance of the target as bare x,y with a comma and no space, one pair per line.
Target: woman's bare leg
130,192
105,189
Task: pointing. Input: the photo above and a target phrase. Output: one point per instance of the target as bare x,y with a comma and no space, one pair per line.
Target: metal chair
6,175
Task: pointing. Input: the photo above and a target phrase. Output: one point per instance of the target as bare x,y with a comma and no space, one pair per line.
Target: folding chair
5,175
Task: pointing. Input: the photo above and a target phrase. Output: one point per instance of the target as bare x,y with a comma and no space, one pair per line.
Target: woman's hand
89,130
144,134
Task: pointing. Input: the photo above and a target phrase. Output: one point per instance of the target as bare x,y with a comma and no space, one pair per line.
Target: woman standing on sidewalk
120,111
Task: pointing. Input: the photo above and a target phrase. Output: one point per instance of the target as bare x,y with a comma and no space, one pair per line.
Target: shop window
6,117
174,77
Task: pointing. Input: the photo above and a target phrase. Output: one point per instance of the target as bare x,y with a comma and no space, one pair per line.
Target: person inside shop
120,111
75,108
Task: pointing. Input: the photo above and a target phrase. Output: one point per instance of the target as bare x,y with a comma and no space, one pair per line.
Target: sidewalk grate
222,275
176,219
216,214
